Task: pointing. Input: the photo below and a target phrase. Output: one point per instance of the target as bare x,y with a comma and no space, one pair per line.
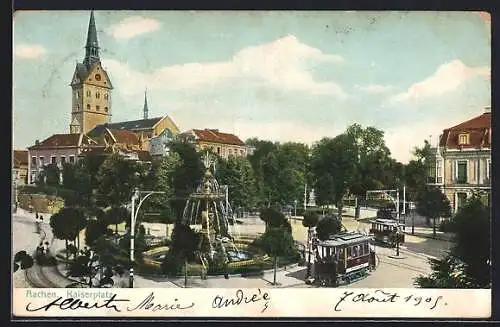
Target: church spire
146,109
92,45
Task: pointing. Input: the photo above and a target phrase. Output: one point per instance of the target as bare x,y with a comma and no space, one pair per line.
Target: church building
90,128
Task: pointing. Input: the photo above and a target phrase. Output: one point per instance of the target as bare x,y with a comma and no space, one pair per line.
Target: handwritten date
380,296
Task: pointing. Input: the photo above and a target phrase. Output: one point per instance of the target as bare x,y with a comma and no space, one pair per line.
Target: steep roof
132,125
214,136
63,140
478,128
20,157
124,136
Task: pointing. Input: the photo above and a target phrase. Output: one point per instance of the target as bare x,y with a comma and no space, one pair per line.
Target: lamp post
295,208
133,220
398,235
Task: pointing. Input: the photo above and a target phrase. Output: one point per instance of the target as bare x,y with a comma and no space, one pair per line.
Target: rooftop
478,129
132,125
62,140
214,136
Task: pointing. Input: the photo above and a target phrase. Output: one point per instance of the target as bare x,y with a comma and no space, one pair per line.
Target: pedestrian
36,214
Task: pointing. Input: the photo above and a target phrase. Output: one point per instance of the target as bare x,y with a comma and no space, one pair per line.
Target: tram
387,231
343,258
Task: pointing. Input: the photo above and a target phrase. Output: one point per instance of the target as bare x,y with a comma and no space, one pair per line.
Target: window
242,152
218,150
105,96
63,160
71,159
97,108
461,173
53,160
42,163
33,162
106,109
98,95
438,168
463,139
77,107
461,199
88,107
77,94
89,93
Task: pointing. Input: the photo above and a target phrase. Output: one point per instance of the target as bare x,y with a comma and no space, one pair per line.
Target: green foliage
311,219
277,242
238,174
185,241
327,226
22,260
417,170
67,223
116,180
95,229
468,263
186,174
49,176
334,168
272,217
433,203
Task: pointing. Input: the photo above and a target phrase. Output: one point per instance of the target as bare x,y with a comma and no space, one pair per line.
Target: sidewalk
427,232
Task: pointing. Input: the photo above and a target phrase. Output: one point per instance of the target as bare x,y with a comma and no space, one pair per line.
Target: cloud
133,26
374,88
29,51
448,77
280,64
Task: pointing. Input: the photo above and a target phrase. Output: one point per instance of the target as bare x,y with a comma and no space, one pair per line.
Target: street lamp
398,236
133,219
295,208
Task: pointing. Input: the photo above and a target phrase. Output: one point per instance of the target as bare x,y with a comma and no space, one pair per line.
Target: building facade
20,167
58,149
223,144
91,88
463,161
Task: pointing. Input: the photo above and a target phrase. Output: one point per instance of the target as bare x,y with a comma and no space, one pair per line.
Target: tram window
349,252
355,251
367,248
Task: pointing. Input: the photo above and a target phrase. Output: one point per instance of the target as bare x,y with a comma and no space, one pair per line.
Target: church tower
91,88
145,109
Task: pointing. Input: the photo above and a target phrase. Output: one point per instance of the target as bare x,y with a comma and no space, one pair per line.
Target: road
390,272
25,237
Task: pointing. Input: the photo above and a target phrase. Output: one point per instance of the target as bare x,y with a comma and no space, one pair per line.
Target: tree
114,216
22,260
468,264
76,177
327,226
116,180
237,173
160,179
272,217
433,203
67,224
417,171
310,220
95,229
472,225
186,174
185,243
334,167
277,242
49,176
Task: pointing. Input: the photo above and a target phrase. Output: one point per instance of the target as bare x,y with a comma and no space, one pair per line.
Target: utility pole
404,207
305,197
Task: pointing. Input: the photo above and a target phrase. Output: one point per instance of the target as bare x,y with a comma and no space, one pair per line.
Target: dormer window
463,139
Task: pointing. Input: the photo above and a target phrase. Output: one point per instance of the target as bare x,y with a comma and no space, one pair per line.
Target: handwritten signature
110,303
381,296
221,302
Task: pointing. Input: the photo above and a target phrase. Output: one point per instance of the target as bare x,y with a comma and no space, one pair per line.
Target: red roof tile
478,128
125,136
213,135
20,158
57,140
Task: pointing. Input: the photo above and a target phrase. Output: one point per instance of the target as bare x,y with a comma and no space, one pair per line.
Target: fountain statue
207,212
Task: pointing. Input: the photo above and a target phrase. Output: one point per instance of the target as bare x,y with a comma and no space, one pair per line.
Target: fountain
208,212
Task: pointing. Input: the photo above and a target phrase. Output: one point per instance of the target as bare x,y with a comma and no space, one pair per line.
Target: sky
280,75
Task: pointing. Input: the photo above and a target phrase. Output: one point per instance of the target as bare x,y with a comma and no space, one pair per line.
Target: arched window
105,96
88,107
106,109
97,95
97,108
89,93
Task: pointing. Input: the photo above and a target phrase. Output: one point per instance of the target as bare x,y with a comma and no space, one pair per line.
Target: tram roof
391,222
345,239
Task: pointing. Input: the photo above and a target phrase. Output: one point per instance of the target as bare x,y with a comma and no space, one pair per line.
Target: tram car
343,258
387,231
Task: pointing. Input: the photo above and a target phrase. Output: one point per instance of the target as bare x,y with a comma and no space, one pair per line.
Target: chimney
487,109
